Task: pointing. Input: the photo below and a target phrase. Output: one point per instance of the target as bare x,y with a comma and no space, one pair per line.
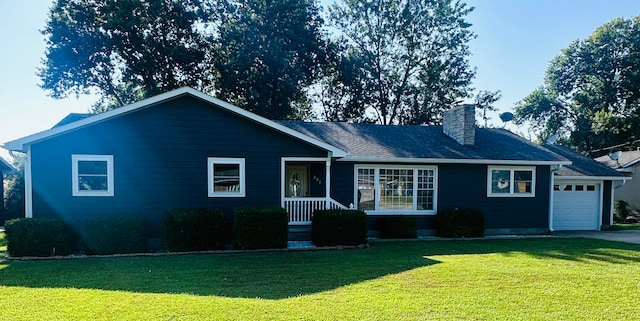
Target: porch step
299,233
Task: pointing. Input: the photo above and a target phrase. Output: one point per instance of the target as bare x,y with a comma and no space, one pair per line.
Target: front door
297,181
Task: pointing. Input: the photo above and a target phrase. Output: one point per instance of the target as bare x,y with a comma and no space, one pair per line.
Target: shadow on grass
273,275
281,275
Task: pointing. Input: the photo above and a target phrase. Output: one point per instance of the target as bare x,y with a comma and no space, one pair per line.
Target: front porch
305,188
301,209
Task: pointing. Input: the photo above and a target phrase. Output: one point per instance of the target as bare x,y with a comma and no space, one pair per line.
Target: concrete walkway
628,236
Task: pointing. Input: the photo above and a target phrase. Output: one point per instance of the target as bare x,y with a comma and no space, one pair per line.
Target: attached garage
577,205
582,193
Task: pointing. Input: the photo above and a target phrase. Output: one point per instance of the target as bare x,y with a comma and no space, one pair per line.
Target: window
226,177
574,187
396,189
511,182
92,175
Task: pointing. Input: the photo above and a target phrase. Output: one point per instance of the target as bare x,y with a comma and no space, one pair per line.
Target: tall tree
484,100
340,91
591,91
409,58
269,53
123,49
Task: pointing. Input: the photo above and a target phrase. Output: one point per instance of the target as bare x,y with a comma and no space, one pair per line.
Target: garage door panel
576,205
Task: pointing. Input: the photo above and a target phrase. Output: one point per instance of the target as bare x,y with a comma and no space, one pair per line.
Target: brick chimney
459,123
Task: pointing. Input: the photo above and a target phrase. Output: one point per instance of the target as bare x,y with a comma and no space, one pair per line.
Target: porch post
28,185
327,180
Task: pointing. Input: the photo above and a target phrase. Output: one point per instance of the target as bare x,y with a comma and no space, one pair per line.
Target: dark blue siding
466,186
342,182
160,161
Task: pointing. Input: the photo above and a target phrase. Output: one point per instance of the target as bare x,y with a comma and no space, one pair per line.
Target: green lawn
519,279
626,226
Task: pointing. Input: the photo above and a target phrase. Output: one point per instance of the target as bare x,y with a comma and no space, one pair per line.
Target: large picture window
92,175
226,177
511,181
402,190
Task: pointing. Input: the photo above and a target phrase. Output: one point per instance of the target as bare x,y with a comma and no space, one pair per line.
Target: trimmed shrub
198,229
114,234
339,227
39,237
621,211
260,228
464,222
398,227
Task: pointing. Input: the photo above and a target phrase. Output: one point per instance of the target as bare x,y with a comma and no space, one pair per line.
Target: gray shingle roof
5,167
625,160
393,142
73,117
581,165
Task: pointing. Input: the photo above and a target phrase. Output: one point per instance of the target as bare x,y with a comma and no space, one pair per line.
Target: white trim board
397,160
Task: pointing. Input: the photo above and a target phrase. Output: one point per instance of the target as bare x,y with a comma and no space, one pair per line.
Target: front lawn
519,279
626,226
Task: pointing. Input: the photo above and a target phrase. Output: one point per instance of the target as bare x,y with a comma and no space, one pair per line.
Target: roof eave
606,178
450,161
10,168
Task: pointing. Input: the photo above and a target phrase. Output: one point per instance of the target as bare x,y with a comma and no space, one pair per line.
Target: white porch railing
301,209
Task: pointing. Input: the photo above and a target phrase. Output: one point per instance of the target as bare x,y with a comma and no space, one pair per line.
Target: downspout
551,184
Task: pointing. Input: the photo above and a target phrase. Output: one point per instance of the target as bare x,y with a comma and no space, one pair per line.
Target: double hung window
226,177
92,175
396,189
511,181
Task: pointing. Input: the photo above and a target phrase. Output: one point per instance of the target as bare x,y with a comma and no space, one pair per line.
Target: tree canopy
403,62
390,62
591,92
269,52
126,49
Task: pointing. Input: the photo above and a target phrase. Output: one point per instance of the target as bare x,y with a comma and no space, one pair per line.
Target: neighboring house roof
6,167
582,166
63,127
388,143
624,162
73,117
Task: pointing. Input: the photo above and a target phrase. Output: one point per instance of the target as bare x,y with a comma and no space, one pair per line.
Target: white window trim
225,160
377,168
511,182
75,178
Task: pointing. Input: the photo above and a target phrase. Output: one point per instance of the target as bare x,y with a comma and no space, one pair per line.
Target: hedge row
207,229
194,230
260,228
464,222
184,230
39,237
114,235
398,227
96,235
339,227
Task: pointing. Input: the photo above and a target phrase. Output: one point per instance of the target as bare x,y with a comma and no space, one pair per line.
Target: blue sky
516,40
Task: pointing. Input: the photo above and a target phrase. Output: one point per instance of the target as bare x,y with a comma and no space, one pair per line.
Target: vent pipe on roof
459,123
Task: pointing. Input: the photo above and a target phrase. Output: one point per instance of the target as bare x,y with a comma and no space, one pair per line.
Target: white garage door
576,205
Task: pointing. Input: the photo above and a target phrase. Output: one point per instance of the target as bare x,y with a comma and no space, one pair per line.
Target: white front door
297,181
576,205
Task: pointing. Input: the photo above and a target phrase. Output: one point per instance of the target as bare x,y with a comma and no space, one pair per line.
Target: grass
625,226
532,279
